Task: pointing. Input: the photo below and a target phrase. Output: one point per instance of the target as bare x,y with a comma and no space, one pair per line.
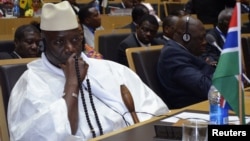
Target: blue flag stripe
231,41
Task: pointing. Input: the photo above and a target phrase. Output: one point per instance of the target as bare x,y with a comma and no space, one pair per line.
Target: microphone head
210,39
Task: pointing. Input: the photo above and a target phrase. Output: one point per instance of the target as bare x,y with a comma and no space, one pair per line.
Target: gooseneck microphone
211,40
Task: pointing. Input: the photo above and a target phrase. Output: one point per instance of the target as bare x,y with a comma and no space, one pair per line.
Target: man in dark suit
219,33
125,4
145,34
168,28
208,10
185,77
26,39
137,12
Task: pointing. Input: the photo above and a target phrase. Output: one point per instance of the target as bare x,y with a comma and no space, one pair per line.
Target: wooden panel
1,138
6,37
244,18
111,22
9,25
83,1
4,133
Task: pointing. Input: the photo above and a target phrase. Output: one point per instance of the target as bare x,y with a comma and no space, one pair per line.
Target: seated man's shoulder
158,41
5,55
128,39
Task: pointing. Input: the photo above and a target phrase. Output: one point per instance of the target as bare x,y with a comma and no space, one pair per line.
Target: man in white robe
46,103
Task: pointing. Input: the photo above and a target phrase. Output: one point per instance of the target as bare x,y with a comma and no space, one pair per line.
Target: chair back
9,75
10,71
109,43
143,60
7,46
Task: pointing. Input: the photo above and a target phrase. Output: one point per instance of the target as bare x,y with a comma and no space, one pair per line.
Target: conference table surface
144,131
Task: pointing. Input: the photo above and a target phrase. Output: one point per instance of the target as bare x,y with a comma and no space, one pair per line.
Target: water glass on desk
194,129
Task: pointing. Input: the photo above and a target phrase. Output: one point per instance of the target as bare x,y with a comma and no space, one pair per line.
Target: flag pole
240,61
240,101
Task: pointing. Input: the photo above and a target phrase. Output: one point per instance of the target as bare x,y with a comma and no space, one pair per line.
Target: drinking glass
194,129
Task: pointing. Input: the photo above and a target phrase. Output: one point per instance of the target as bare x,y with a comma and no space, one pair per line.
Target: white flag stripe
227,50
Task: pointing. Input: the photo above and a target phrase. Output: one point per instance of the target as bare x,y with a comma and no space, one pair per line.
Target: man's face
28,46
94,20
36,4
197,44
146,32
60,45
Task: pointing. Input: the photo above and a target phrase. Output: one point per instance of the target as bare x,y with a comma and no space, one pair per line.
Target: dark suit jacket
164,40
130,42
212,52
186,79
6,55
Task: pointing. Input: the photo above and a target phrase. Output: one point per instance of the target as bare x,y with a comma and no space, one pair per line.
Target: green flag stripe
229,60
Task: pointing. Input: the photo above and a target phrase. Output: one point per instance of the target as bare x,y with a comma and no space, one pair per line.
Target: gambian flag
226,77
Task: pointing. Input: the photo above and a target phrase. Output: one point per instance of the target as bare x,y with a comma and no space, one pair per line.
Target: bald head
190,32
168,25
224,19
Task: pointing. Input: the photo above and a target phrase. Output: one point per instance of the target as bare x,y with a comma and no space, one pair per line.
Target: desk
144,131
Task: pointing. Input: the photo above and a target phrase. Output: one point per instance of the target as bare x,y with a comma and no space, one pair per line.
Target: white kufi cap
58,17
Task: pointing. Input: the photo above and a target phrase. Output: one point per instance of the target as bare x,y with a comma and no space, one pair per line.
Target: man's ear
16,42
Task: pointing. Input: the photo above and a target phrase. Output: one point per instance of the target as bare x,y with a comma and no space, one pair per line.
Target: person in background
90,20
168,27
37,7
137,12
125,4
245,7
145,36
66,96
185,77
208,10
219,33
152,11
2,12
88,50
7,5
26,39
